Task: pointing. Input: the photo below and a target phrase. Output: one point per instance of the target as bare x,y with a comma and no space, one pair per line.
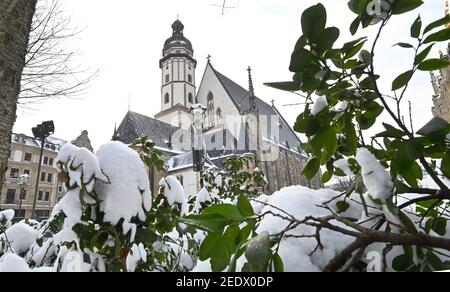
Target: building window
15,173
50,178
43,175
190,78
190,98
10,196
45,160
28,157
167,78
40,195
210,109
27,172
50,161
219,115
166,98
60,189
47,196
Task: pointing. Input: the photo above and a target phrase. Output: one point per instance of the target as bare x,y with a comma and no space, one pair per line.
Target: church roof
241,98
135,126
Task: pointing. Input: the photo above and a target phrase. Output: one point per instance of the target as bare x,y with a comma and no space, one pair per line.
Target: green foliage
346,74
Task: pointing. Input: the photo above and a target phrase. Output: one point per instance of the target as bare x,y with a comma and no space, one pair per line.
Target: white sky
125,42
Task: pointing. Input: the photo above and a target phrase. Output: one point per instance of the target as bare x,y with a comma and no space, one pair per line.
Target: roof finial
251,89
447,10
209,58
129,102
273,102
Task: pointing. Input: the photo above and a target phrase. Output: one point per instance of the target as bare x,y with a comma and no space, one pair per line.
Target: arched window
166,98
167,78
210,109
190,98
190,78
219,116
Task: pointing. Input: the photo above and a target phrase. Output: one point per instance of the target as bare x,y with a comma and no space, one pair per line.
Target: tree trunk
15,22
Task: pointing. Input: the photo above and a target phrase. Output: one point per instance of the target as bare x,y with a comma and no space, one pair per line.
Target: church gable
213,95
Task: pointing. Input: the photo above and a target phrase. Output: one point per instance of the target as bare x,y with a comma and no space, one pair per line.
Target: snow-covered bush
107,220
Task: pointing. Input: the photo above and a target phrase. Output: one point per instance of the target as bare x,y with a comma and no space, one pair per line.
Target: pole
20,202
33,211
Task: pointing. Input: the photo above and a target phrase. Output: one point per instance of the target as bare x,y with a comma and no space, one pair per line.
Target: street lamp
198,158
41,132
23,182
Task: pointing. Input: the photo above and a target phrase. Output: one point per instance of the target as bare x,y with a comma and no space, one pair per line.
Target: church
235,122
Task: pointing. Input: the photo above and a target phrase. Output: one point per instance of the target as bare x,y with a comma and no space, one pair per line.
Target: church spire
251,90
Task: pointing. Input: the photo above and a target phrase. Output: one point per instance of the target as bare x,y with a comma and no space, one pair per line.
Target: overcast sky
124,40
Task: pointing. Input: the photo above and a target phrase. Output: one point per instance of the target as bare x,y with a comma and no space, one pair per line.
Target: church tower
178,89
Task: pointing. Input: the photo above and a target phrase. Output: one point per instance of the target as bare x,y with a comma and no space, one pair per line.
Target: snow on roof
51,143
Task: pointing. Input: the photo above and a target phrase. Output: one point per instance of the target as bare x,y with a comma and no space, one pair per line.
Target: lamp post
41,132
198,156
23,182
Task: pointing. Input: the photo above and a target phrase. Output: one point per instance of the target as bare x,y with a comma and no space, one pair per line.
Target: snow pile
6,217
376,179
343,165
127,194
341,106
18,238
320,104
302,202
12,263
173,190
136,255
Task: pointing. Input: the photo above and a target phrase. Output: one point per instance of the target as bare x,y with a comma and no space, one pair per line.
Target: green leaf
436,128
433,64
445,165
327,38
393,132
258,252
342,206
416,27
311,168
314,20
408,223
278,263
413,149
209,245
210,222
225,210
245,207
355,25
331,142
300,60
439,36
402,263
403,6
326,177
290,86
402,80
422,55
404,45
441,22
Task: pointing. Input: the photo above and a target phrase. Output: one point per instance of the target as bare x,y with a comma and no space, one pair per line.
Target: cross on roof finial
273,102
209,58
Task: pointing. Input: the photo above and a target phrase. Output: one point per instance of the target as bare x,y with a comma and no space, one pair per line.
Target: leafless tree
51,68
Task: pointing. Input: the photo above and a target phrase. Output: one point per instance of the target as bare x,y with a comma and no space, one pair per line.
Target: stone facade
441,86
83,141
24,160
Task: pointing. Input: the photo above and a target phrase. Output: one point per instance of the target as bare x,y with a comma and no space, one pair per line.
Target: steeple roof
178,39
